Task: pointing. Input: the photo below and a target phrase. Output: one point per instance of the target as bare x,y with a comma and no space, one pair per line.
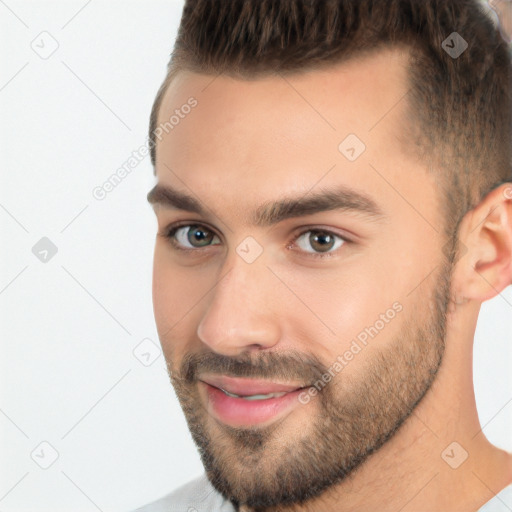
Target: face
303,272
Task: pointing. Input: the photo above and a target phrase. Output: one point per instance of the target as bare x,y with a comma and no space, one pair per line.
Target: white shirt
198,495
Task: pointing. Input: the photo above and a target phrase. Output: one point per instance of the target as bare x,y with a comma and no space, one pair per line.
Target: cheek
361,299
172,291
353,305
178,295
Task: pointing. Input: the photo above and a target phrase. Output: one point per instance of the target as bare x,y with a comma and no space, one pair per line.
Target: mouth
245,402
255,397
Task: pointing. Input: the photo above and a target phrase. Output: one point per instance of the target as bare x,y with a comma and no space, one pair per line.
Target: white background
68,375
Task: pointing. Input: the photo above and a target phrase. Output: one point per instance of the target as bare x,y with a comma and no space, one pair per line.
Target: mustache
289,366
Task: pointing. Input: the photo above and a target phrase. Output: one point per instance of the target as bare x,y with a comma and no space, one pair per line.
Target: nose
241,315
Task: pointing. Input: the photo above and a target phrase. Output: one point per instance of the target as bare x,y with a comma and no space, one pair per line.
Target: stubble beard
284,464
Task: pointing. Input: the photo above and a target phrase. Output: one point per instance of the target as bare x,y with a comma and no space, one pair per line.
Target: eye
190,237
321,242
317,243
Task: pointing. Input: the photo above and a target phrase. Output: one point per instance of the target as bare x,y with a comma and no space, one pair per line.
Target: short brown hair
461,107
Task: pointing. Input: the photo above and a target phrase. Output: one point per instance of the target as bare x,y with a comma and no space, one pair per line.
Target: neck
440,458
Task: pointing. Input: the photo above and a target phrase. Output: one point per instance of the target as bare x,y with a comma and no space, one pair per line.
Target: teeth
255,397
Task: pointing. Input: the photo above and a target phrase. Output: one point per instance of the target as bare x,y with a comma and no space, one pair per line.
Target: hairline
176,66
416,137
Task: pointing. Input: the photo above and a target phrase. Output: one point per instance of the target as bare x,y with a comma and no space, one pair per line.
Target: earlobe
486,232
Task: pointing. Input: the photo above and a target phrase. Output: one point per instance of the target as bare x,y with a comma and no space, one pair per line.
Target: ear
486,233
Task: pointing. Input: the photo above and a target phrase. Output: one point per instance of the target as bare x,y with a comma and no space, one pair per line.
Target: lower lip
238,411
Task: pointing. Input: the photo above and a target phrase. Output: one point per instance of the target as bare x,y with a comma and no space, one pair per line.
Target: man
334,204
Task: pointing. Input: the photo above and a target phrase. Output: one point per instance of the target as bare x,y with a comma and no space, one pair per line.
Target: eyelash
170,231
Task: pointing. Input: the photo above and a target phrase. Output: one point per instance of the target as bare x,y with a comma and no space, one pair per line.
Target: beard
291,462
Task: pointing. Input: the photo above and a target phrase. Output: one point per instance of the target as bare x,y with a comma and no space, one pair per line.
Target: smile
246,402
255,397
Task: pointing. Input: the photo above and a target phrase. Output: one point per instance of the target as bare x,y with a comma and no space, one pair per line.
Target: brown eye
192,236
319,241
199,237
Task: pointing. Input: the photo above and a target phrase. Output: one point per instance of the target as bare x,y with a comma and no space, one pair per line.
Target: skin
503,9
249,142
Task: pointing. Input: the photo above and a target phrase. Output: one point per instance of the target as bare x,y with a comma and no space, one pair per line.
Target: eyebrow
272,212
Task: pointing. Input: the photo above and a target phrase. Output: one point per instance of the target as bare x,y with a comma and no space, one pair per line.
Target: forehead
252,139
364,84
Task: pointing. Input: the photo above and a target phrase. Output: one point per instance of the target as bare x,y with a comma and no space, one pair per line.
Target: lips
249,403
248,387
